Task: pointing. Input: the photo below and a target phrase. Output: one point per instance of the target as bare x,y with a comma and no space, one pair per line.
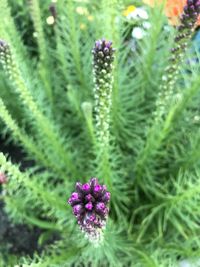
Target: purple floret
103,56
188,22
89,205
97,188
74,199
86,188
190,14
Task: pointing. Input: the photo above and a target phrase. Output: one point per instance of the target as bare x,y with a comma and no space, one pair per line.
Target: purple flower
89,204
188,22
3,178
103,57
190,13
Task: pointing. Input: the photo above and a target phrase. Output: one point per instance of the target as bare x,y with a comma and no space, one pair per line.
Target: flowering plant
72,107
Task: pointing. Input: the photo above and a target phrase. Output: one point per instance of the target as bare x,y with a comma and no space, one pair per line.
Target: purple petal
100,206
74,199
88,197
77,209
97,188
86,188
79,187
106,197
93,182
89,206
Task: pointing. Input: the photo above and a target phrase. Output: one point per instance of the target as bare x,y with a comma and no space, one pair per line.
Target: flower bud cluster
89,204
6,59
188,21
103,57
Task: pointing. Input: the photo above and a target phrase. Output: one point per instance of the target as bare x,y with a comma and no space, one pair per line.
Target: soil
16,239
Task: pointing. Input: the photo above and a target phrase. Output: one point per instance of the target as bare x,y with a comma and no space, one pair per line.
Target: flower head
89,204
103,57
188,21
102,60
190,14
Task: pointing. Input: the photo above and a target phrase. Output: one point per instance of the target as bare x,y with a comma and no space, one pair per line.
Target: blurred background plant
151,164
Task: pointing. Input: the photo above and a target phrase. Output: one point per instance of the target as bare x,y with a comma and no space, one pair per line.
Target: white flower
138,33
146,25
132,45
187,263
50,20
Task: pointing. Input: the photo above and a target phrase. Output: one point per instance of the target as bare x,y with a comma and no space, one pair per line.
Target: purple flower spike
89,205
188,22
103,58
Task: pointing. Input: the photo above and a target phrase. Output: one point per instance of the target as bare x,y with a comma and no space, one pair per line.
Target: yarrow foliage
103,57
188,22
90,207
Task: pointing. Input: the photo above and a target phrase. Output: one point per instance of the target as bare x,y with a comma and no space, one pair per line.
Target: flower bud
89,205
103,57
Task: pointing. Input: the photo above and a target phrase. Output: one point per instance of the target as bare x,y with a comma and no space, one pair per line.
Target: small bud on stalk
6,59
103,57
187,25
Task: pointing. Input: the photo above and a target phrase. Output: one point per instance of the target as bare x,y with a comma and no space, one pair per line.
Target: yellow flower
82,10
82,26
90,18
129,10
